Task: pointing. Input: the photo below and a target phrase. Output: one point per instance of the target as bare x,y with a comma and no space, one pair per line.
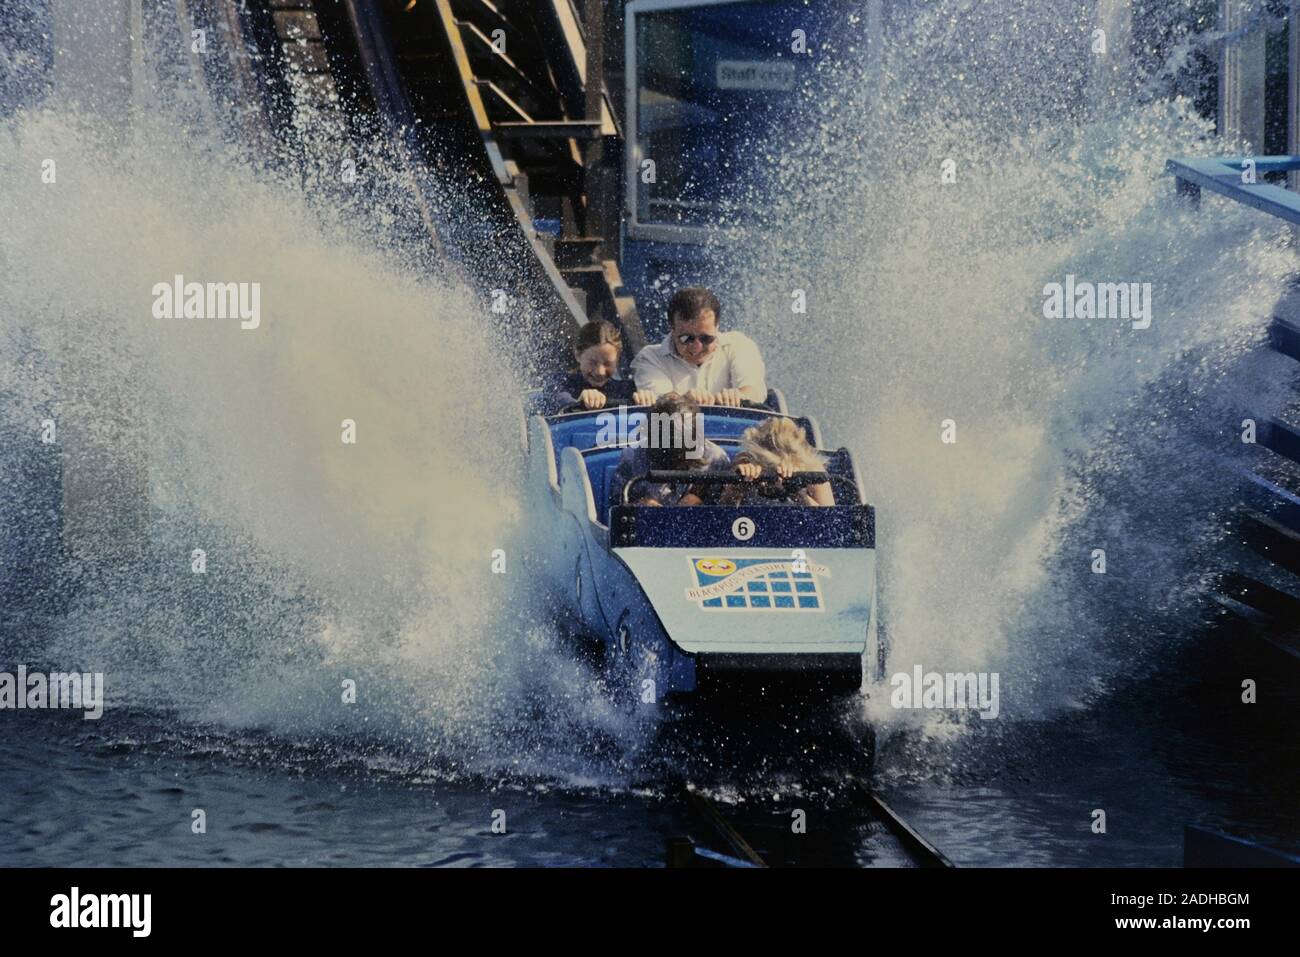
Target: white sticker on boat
757,584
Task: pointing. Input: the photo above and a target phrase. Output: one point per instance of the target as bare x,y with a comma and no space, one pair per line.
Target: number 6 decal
743,529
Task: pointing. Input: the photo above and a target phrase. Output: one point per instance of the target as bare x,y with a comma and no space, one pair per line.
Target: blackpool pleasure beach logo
756,584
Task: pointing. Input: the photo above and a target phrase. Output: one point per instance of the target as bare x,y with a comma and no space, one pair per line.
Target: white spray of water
326,560
925,304
372,561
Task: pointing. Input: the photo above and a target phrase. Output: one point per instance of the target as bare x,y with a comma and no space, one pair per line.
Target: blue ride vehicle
691,595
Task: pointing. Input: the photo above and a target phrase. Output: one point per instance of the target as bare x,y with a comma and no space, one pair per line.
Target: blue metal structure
1237,177
1266,595
718,92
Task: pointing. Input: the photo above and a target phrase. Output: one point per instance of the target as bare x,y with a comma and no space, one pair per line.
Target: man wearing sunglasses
699,361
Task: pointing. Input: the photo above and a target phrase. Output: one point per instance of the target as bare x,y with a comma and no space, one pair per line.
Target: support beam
595,77
1293,89
1241,77
1223,175
601,181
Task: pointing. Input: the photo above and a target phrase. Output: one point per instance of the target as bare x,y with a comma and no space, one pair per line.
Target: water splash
372,562
325,561
925,304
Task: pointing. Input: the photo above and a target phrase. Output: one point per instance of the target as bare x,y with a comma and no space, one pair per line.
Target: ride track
721,835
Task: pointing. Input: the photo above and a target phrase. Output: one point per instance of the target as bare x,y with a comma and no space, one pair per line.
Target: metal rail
249,115
394,108
491,97
745,854
921,850
722,844
1234,177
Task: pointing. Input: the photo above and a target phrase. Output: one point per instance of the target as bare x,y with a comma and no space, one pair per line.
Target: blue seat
731,423
729,426
601,464
578,431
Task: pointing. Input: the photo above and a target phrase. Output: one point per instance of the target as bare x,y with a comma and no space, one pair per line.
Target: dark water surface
1170,752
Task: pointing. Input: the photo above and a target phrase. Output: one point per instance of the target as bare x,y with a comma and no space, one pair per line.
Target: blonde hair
779,441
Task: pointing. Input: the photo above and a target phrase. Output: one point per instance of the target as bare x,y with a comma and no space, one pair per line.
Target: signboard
755,75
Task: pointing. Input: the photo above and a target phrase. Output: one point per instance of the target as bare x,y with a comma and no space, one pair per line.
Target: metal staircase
517,70
512,159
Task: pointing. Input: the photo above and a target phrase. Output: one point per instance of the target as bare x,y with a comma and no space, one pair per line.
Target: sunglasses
686,339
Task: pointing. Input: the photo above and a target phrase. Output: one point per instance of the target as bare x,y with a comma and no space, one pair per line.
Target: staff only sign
755,75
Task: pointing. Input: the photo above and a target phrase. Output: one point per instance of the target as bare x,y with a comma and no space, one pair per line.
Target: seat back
584,430
581,430
602,463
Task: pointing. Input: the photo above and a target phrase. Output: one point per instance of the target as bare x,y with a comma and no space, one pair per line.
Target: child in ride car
680,448
778,444
592,385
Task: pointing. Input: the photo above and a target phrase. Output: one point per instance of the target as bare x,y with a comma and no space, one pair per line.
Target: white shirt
734,364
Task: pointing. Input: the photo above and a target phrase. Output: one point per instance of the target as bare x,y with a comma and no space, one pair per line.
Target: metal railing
1239,178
